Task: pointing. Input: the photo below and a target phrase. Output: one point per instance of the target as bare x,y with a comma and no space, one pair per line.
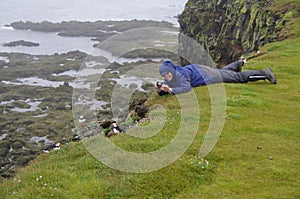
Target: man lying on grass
182,79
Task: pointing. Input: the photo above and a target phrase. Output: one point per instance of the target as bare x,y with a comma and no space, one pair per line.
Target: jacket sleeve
182,85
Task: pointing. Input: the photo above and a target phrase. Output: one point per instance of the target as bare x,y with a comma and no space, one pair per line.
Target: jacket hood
166,67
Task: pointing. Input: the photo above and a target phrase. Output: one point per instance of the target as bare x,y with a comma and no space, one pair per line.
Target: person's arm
182,85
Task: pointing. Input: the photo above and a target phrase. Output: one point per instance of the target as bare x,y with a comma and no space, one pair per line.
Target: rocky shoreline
98,30
21,43
36,99
36,116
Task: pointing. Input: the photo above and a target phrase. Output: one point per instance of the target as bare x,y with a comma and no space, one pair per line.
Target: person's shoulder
167,61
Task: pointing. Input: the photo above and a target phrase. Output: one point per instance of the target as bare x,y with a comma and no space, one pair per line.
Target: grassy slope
258,115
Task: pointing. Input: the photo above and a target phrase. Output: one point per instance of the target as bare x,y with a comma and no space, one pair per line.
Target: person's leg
235,66
243,77
229,76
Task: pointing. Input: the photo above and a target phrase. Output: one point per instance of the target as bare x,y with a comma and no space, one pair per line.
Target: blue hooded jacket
183,77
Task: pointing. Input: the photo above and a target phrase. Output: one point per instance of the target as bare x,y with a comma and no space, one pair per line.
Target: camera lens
158,84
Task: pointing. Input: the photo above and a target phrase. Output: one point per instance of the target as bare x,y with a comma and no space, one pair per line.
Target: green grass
262,120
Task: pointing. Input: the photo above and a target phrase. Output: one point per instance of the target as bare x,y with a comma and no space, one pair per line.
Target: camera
159,84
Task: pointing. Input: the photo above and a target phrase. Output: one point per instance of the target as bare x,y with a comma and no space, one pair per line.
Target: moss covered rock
228,29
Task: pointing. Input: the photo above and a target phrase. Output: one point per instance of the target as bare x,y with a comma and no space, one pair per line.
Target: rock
21,43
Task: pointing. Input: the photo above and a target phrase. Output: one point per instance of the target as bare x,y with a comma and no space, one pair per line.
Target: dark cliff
228,29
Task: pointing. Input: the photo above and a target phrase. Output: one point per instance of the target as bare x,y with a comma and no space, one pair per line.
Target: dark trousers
232,74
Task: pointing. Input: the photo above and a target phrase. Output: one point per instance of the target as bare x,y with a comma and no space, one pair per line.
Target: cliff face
227,29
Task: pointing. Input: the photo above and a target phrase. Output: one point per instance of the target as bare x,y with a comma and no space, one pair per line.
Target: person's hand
165,88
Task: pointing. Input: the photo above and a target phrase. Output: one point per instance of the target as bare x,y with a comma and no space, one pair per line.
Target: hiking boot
270,75
244,60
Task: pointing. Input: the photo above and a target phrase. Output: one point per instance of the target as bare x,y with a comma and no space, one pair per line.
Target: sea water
67,10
